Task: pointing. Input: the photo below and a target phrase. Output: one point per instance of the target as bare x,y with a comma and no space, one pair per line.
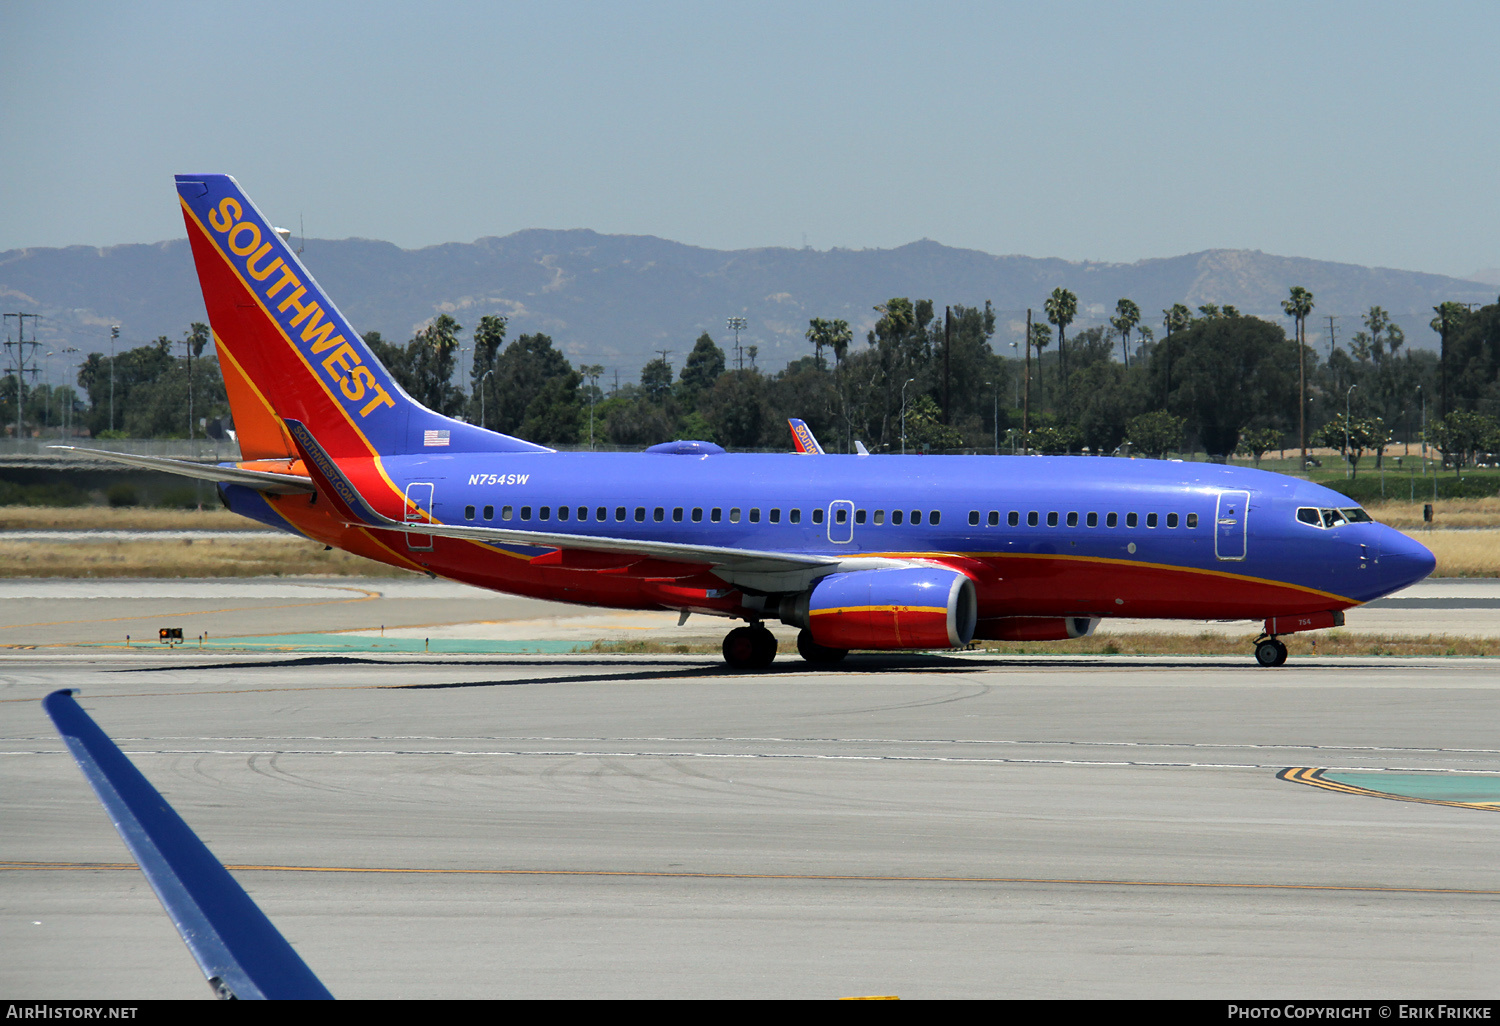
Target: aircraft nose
1403,561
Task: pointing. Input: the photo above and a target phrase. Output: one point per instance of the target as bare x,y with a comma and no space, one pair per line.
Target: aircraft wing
260,480
759,570
240,952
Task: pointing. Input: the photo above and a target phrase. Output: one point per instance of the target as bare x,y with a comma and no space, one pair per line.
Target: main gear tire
818,655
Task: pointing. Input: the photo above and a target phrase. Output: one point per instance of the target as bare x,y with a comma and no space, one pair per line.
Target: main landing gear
749,648
818,655
1270,651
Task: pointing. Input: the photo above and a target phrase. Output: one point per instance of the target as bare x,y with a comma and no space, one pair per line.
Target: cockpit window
1333,517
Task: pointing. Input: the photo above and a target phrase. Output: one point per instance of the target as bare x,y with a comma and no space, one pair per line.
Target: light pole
903,415
997,415
1346,427
481,394
114,334
737,325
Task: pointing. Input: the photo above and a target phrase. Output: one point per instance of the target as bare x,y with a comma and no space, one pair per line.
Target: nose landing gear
749,648
1270,651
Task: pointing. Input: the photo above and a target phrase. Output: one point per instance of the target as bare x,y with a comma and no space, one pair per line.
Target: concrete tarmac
579,826
83,615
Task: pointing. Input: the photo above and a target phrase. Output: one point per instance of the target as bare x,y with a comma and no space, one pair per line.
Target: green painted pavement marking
353,643
1441,787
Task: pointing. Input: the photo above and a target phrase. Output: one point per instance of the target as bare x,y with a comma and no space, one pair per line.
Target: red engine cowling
903,607
1036,628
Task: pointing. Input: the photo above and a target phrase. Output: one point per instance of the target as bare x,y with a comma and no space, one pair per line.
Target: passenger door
841,522
419,511
1230,523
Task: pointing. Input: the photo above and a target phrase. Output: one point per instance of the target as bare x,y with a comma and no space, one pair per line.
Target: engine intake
903,607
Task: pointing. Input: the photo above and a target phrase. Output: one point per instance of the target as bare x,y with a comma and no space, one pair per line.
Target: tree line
925,379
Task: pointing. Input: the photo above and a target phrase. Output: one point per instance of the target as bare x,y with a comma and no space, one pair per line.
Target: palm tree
1298,306
1062,307
1127,316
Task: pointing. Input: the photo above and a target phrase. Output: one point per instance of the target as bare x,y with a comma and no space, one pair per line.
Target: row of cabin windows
715,514
1033,519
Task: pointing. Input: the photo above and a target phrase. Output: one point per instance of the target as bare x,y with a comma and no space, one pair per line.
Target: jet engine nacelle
903,607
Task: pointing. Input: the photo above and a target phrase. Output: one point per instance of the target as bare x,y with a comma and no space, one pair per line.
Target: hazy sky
1361,132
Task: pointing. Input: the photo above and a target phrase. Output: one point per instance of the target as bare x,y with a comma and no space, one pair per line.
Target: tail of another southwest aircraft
287,353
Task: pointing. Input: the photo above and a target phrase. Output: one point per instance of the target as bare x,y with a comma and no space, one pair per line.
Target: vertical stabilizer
287,351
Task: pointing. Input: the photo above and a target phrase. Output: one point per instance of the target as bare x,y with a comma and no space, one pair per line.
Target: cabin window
468,512
794,516
505,512
601,514
1150,519
935,517
1033,518
973,518
734,514
619,513
879,516
583,512
994,518
1014,520
1112,520
1131,520
1093,520
697,514
1192,520
916,516
775,516
525,512
562,512
755,514
545,513
677,514
840,516
659,514
817,515
640,514
859,516
1052,518
1072,519
489,512
896,516
716,514
1171,519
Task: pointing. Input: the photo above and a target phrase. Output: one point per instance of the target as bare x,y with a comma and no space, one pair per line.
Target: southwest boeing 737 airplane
860,552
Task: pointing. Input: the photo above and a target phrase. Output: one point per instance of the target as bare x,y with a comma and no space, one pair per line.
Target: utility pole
1332,336
737,325
664,353
947,347
1026,405
20,367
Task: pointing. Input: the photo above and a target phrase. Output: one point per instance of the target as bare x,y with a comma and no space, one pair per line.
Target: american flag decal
435,437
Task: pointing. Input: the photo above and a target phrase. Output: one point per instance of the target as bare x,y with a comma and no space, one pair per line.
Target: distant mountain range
613,299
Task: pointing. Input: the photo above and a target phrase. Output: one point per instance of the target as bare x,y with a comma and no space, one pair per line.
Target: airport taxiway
582,826
64,615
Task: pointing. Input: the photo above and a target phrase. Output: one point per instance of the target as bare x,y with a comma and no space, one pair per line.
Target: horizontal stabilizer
260,480
239,951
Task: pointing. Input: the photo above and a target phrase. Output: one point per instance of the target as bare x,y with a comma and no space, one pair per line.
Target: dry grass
1331,643
1448,514
277,555
1463,553
126,518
